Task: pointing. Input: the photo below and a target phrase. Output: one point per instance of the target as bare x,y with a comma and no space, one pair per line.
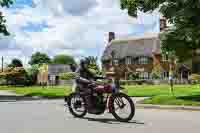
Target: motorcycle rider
87,78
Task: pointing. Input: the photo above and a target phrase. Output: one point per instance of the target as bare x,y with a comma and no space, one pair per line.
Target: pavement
50,116
8,93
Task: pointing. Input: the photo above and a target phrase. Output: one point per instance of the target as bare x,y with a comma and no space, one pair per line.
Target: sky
72,27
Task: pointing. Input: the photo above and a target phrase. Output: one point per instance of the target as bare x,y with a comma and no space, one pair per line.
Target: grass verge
159,94
50,91
173,100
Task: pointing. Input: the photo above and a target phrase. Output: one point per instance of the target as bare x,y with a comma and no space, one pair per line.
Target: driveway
51,117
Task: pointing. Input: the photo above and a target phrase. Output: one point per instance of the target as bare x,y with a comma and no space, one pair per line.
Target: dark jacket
87,74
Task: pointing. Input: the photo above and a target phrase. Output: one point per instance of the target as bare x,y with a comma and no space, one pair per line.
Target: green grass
49,91
155,90
159,94
173,100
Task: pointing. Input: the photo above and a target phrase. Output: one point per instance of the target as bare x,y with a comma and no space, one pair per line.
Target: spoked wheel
123,108
76,105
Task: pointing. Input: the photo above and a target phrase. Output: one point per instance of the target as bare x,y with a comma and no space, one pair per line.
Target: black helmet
72,67
83,62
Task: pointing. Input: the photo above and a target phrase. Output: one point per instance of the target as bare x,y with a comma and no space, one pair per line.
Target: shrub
156,72
133,76
195,78
2,81
67,76
32,74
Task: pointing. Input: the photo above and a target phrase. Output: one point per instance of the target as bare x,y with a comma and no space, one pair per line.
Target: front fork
111,99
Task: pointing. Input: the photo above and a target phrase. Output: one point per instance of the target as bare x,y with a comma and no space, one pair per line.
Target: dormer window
143,60
128,60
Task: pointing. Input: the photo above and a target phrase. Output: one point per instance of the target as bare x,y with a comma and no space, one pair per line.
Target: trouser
89,101
87,91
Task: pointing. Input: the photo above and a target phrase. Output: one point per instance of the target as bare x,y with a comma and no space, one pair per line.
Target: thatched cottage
141,55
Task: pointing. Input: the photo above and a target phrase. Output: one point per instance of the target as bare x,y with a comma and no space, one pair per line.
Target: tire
132,106
70,105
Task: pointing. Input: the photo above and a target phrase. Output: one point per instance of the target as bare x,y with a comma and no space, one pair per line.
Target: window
144,75
165,57
128,60
59,70
143,60
196,67
116,62
165,75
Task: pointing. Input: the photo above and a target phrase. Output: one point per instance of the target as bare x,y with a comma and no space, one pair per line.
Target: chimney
111,36
163,24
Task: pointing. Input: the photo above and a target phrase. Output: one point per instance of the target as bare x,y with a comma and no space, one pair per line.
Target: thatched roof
12,71
144,45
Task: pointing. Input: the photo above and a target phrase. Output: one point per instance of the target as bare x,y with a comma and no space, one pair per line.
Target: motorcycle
107,96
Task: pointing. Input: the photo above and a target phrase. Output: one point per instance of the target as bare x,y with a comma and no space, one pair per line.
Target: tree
156,72
32,74
93,65
39,58
16,63
3,29
184,15
63,59
14,75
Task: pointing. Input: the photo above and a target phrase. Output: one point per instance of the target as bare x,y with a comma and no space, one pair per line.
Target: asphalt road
51,117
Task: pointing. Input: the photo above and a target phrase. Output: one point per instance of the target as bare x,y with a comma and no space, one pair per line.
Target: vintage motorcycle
103,96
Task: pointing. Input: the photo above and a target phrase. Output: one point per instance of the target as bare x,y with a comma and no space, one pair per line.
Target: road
51,117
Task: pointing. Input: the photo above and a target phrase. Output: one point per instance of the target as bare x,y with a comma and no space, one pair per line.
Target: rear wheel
123,108
76,105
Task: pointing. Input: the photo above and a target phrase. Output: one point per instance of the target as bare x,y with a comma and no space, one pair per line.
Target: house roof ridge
145,36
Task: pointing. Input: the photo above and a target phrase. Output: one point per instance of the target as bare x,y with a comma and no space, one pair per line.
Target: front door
185,74
57,80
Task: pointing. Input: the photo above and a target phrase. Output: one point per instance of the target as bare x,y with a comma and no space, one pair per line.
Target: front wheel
122,107
76,104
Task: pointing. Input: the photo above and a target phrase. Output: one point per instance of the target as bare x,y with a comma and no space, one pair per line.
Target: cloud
63,7
75,27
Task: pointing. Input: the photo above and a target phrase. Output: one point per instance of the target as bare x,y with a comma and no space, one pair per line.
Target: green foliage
63,59
3,29
2,81
16,63
184,15
156,72
32,74
93,66
39,58
15,76
67,76
133,76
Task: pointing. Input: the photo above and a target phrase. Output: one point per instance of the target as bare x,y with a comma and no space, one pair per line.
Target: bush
156,72
32,74
133,76
195,77
14,76
155,76
2,81
67,76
